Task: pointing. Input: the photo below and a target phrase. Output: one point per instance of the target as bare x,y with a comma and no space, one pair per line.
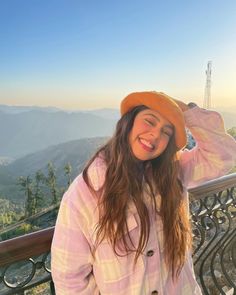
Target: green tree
39,179
51,181
26,186
232,131
67,172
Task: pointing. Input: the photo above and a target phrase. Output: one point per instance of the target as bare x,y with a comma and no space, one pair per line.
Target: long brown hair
124,183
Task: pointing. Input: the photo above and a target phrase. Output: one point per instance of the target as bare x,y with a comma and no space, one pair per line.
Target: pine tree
26,186
67,172
38,194
52,182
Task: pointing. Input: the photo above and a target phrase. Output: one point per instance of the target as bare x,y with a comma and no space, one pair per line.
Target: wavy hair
124,183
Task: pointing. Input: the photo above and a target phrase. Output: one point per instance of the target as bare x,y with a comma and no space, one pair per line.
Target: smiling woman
123,225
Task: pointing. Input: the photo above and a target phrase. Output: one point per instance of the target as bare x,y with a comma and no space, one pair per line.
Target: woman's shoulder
96,176
96,172
78,196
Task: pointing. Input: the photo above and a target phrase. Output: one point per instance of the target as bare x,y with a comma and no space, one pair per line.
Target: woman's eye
149,122
167,133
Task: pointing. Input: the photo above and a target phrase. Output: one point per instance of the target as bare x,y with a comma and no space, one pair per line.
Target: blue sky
90,54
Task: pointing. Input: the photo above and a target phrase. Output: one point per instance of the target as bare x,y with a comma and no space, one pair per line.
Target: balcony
25,261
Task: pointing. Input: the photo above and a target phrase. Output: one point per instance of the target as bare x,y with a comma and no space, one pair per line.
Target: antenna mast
207,95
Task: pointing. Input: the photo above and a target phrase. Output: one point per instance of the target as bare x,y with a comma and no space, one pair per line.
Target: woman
123,225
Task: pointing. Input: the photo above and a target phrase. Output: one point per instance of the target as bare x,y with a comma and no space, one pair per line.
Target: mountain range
30,131
24,130
76,152
36,136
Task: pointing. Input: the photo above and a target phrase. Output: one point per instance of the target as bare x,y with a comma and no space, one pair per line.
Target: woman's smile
146,145
150,134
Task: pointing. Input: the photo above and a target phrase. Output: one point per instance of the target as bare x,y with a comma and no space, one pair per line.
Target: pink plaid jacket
75,271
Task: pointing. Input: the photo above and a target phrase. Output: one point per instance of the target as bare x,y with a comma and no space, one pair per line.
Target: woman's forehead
155,114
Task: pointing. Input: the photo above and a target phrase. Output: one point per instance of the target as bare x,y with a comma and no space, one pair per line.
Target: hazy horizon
222,107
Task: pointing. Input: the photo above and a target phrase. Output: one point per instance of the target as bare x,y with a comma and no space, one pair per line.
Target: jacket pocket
113,268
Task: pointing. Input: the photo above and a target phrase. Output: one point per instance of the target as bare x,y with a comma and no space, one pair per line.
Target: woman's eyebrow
157,118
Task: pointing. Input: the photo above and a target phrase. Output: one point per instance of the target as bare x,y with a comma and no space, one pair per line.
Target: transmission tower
207,95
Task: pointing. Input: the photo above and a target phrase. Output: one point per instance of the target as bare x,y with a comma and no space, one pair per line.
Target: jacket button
154,292
150,253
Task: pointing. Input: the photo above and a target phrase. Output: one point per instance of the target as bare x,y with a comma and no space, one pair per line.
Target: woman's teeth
146,143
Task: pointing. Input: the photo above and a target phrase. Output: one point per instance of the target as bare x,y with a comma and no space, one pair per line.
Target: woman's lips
146,145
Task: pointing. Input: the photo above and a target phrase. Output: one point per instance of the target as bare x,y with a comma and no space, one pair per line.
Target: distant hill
75,152
30,131
105,113
21,109
5,161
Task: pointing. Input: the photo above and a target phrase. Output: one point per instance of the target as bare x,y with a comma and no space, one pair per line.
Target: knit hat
165,105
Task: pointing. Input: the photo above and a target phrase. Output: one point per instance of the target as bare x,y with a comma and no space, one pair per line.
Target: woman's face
149,135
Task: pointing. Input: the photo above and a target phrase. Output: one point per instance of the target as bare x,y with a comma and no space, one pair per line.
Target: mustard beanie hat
165,105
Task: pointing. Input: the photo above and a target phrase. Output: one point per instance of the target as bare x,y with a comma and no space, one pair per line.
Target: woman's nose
155,132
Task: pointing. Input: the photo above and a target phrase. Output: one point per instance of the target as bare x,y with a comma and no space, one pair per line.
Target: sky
90,54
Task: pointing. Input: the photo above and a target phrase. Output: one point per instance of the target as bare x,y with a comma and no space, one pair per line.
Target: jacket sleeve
71,259
215,151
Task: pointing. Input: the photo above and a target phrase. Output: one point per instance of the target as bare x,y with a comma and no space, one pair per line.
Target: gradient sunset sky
90,54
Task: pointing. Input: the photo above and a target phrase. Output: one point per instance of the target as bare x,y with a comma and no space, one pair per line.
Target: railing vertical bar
230,239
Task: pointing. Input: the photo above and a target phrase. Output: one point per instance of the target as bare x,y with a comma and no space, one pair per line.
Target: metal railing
213,209
25,261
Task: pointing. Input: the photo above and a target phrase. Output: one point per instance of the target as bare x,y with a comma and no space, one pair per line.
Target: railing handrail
26,246
214,186
39,242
